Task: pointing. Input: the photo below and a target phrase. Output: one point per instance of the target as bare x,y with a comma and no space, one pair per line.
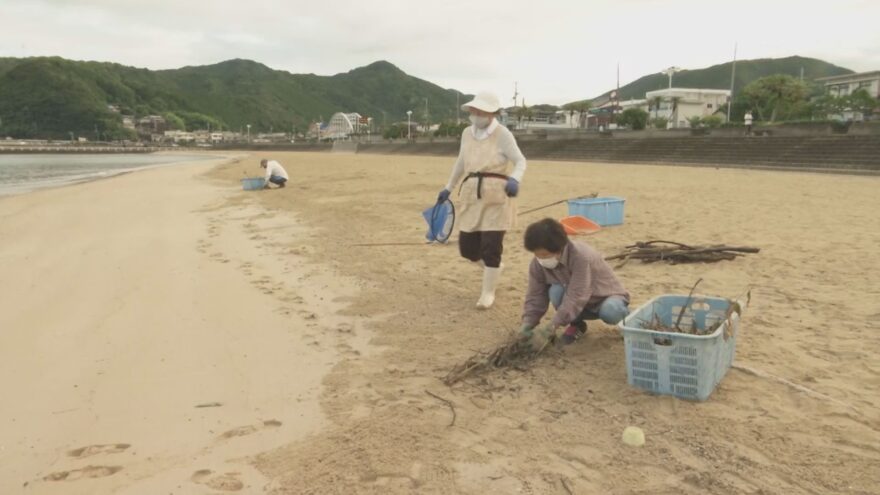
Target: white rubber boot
490,282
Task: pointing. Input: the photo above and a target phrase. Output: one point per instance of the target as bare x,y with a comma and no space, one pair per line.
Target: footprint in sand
250,429
112,448
86,472
223,482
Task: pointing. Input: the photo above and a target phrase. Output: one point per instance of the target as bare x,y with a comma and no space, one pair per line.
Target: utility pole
732,79
616,96
427,120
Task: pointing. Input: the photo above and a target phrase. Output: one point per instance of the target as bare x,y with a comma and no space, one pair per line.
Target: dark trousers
278,180
486,246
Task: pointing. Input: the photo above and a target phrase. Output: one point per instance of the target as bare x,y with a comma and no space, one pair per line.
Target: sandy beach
166,332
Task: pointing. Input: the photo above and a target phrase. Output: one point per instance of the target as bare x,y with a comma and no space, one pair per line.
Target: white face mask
548,263
480,122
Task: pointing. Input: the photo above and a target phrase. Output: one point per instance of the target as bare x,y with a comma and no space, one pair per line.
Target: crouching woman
572,276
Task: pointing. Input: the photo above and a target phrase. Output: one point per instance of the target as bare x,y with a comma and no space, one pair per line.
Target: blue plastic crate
252,183
683,365
604,211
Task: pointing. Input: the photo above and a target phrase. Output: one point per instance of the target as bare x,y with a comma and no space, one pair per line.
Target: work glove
443,196
526,331
512,187
542,336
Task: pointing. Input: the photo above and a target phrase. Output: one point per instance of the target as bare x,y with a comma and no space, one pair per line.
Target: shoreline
111,173
183,339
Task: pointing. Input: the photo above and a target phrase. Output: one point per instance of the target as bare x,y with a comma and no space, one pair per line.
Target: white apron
492,210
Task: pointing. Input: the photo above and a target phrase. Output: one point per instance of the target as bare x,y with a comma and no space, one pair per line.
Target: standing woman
492,167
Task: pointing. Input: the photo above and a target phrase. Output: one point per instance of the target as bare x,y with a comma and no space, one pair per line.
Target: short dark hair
546,234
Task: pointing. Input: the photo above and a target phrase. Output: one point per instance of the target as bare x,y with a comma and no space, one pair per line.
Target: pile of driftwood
515,353
676,252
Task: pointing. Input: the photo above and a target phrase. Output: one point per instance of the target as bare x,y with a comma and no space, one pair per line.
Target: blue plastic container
252,183
683,365
604,211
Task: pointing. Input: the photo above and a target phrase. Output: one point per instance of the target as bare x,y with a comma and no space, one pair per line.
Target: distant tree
173,122
394,132
712,121
579,107
675,100
659,123
862,102
447,129
779,95
655,104
634,118
200,121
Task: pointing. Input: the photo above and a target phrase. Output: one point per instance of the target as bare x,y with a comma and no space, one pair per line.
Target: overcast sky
558,51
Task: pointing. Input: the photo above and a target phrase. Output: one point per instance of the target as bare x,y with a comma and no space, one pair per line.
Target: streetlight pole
409,125
249,134
669,72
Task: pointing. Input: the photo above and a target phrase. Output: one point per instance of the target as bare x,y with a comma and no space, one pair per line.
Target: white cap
484,101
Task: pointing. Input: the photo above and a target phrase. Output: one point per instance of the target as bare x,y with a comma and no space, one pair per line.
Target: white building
677,105
848,84
179,136
342,125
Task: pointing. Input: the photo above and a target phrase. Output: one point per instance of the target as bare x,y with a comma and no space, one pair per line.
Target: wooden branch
687,303
676,252
448,403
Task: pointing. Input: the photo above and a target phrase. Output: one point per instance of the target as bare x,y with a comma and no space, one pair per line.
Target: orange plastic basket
578,225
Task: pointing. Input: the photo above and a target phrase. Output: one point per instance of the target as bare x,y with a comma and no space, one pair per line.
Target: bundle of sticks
515,353
676,252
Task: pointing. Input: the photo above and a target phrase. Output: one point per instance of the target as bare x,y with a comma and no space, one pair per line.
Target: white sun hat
484,101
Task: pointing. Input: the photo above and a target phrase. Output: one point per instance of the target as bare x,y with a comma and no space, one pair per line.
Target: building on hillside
343,125
179,136
677,105
850,83
231,137
151,124
128,122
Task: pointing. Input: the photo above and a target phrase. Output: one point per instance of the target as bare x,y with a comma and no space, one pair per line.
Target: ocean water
28,172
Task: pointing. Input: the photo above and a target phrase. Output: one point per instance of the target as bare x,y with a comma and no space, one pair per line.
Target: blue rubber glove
443,196
526,331
512,187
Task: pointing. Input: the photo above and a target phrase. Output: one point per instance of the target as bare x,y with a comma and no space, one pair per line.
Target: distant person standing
490,167
748,120
275,173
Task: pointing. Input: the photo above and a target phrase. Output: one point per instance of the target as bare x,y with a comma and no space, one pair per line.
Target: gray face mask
480,122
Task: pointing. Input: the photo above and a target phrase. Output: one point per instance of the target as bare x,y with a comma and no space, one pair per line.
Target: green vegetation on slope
53,97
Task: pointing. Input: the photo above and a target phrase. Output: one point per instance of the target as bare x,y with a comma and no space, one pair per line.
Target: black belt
480,176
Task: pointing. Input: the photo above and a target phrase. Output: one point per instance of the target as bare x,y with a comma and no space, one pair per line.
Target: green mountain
52,97
718,76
